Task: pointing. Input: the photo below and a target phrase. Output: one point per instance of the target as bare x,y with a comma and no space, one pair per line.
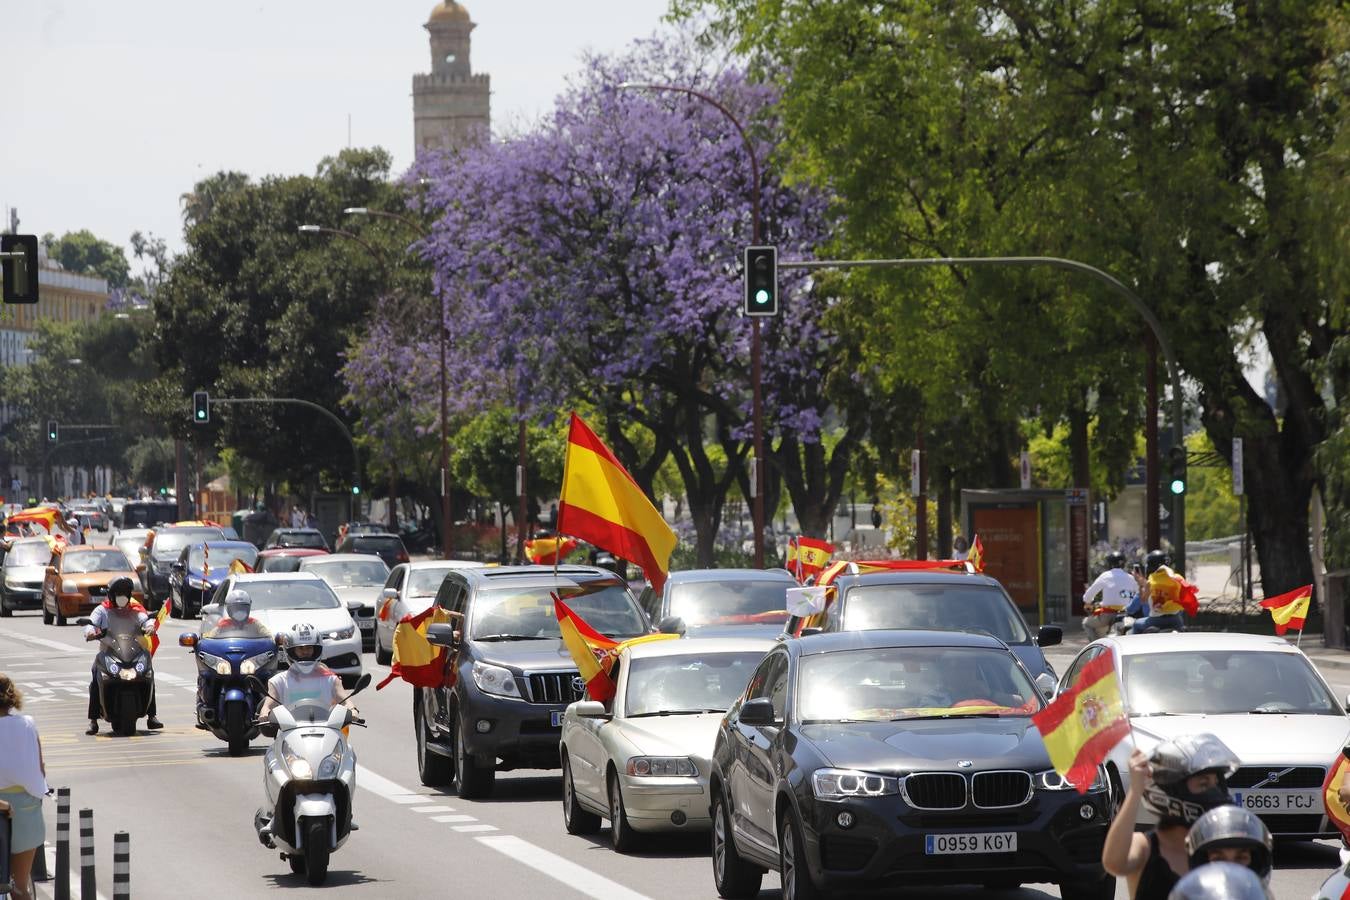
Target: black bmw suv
511,675
868,759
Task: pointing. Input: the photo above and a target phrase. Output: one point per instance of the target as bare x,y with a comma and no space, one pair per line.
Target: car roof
224,545
372,536
249,577
272,552
29,540
296,531
531,575
691,576
694,646
185,529
1190,641
441,564
919,576
909,637
80,548
337,557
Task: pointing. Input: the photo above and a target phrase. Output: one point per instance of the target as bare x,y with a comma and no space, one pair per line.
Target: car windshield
508,613
171,543
1224,682
94,561
893,683
221,556
350,573
730,602
290,595
670,685
36,553
310,539
951,607
425,582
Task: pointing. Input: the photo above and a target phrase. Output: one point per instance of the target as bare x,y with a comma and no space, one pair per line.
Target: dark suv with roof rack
512,677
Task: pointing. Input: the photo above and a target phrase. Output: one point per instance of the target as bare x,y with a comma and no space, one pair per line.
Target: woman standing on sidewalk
23,784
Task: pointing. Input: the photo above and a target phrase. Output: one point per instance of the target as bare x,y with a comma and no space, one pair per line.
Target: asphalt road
189,807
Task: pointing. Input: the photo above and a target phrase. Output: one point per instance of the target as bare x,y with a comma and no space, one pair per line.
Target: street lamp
756,377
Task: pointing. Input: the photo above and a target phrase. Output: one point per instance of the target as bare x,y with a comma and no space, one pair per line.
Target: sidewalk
1075,639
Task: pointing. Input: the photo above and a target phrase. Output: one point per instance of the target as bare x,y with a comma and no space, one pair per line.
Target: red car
284,559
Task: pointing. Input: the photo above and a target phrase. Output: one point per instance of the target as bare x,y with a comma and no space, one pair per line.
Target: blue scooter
227,666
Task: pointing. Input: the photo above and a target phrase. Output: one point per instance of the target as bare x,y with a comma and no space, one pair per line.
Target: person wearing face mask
237,622
1179,782
118,606
307,678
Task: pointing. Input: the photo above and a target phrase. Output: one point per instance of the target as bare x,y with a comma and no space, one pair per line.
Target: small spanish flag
239,567
1289,610
1337,814
1084,723
547,551
976,555
594,653
807,557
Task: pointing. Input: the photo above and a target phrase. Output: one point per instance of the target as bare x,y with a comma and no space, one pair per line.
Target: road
189,807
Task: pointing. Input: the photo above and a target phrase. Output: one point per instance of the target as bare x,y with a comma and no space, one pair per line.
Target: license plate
555,718
993,842
1279,801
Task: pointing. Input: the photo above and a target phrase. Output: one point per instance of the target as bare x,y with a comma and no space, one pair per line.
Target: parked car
716,602
308,538
513,673
282,600
932,598
1258,693
409,589
199,569
388,547
166,546
642,761
22,573
77,580
358,580
148,513
284,559
869,759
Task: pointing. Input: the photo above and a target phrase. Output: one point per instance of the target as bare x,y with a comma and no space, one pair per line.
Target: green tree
82,252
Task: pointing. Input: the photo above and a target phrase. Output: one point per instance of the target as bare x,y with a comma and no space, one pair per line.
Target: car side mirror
671,625
757,712
1046,685
443,634
389,594
1347,702
1050,635
187,639
590,709
177,566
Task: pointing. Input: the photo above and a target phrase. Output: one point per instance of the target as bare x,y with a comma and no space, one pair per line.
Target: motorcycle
1123,624
310,780
227,701
126,676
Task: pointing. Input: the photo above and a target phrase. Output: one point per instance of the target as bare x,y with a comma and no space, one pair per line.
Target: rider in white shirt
307,678
1116,588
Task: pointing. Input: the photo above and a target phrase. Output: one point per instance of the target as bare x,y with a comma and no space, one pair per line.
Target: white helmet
238,604
304,648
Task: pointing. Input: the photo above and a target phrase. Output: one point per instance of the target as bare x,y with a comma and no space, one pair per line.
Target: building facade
450,103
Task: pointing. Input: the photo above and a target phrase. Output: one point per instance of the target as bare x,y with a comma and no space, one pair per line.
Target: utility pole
1152,473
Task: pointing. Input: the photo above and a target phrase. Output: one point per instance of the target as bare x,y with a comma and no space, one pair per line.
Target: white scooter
310,780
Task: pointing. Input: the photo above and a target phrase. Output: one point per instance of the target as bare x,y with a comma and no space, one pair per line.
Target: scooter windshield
121,638
310,712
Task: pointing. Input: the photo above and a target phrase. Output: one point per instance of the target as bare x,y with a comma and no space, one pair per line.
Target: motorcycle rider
1231,834
120,605
237,622
1179,782
1162,592
1220,881
307,678
1117,589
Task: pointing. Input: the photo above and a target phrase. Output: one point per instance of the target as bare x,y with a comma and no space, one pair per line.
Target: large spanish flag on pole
1082,725
602,504
594,653
1290,610
416,660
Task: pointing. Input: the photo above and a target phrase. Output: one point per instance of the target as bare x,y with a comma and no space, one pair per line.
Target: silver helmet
1231,827
1220,881
238,605
1173,763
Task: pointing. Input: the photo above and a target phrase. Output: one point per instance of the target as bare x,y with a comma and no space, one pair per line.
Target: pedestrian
23,784
960,547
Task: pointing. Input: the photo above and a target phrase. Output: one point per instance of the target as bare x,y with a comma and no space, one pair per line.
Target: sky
112,110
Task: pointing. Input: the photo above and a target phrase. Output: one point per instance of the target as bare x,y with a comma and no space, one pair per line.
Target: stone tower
450,105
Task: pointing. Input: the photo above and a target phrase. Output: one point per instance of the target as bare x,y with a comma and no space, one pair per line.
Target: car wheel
60,619
734,877
1102,889
472,781
433,769
622,837
383,657
5,611
575,819
793,870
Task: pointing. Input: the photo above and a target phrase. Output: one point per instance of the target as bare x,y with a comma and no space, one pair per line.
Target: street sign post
1238,486
1026,471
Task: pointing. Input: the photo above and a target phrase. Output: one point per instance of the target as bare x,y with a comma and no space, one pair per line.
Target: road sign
1026,471
1238,487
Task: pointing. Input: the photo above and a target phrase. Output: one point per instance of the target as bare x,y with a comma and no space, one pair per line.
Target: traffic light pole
346,432
1072,265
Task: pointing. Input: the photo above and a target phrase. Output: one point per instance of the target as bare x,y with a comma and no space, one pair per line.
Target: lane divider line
471,828
577,877
453,819
43,642
432,809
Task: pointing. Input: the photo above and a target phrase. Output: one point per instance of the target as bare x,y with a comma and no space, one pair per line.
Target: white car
409,589
357,578
282,600
643,760
1259,694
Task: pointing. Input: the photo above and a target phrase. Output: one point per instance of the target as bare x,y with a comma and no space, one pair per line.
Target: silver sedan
409,589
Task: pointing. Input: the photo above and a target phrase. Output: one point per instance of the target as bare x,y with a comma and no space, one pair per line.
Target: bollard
88,885
121,866
63,844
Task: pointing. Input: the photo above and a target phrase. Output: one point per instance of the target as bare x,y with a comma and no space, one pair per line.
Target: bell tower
451,103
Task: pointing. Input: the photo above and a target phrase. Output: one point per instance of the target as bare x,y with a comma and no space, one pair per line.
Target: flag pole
562,496
1298,642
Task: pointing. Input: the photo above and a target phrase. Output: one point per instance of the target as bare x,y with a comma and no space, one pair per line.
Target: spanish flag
594,653
416,660
547,551
239,567
976,555
807,557
602,504
1337,814
1082,725
1289,610
160,616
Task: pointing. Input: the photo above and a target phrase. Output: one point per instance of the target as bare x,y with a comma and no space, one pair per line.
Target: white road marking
432,809
43,642
469,828
576,877
378,784
452,818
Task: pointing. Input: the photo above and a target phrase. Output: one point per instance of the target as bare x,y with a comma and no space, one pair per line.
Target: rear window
148,515
377,542
952,607
279,564
311,540
171,543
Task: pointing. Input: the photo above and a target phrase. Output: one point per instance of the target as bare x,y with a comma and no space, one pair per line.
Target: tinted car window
148,515
221,556
280,564
308,539
730,602
947,606
528,611
171,543
367,542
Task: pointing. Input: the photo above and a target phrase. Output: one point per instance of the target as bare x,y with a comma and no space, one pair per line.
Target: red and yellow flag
239,567
976,555
416,660
1082,725
594,653
1290,610
1337,814
164,609
602,504
807,557
547,551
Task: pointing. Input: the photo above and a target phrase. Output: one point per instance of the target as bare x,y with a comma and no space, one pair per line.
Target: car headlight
113,667
329,767
341,634
299,766
13,584
495,680
1050,780
69,587
254,663
662,766
836,784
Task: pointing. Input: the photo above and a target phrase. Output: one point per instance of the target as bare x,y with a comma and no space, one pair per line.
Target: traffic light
52,431
19,268
356,490
761,281
201,408
1176,469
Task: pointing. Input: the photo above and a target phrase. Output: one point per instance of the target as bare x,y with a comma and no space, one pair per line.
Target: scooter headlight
298,765
113,667
331,763
140,665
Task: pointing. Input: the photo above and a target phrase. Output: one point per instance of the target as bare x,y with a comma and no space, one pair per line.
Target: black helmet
1174,762
1231,826
1220,881
1115,560
1156,559
121,587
